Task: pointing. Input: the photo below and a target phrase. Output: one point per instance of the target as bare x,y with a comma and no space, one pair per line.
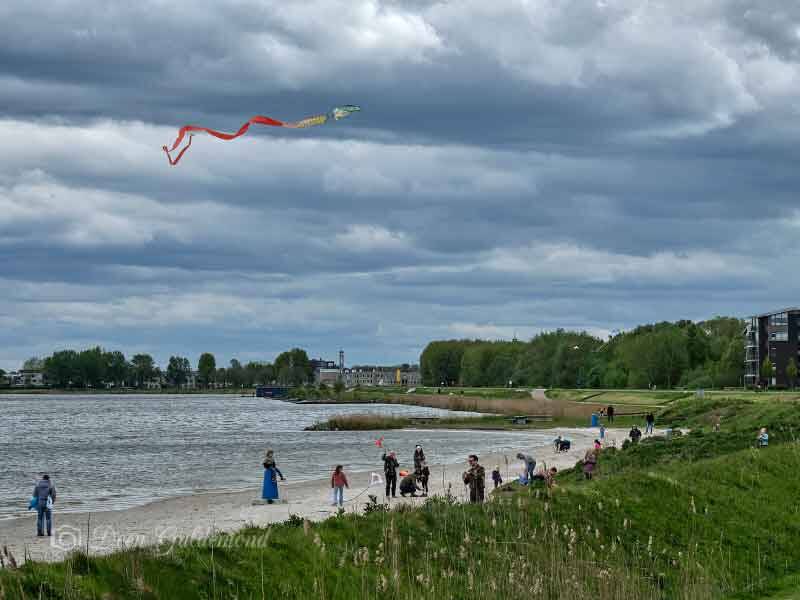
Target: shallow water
114,452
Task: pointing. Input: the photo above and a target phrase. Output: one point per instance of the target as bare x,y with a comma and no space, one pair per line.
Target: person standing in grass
763,438
475,478
530,464
610,413
651,419
390,465
590,462
338,483
496,477
45,495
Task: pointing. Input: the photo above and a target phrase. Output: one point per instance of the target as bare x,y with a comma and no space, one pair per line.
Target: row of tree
706,354
99,368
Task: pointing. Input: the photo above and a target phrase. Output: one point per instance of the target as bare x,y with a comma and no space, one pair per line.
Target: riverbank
198,516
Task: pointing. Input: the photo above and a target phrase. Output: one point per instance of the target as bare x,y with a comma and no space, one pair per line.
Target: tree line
665,355
99,368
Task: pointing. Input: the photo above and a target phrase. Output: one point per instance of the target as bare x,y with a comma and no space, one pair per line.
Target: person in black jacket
390,466
419,457
409,485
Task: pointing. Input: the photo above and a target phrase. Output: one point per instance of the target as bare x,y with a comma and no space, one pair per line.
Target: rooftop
777,312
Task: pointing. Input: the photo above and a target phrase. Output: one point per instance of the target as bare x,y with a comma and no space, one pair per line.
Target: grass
360,423
616,397
702,516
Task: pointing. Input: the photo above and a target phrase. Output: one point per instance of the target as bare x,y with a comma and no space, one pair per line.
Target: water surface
117,451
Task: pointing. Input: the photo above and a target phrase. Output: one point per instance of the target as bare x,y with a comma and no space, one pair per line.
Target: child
763,438
338,483
496,476
602,433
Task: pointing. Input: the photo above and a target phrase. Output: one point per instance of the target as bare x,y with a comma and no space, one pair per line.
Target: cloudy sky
518,165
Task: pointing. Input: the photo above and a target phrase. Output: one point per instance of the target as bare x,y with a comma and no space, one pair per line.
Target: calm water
113,452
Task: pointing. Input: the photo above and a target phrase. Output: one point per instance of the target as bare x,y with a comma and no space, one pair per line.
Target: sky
517,166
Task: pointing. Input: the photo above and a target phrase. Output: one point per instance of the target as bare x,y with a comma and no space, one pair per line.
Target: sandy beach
199,515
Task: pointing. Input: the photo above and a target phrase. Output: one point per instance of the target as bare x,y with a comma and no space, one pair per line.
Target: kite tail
180,154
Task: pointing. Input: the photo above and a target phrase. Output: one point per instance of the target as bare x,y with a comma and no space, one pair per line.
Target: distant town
142,373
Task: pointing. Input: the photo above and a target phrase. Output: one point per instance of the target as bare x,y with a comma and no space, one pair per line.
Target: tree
767,370
34,363
91,367
61,369
338,388
791,372
144,368
178,371
3,381
116,367
236,374
206,368
293,367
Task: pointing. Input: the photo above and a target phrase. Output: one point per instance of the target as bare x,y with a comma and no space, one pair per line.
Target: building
327,376
26,378
775,335
374,376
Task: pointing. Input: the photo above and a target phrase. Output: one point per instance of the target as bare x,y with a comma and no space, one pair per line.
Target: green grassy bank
700,516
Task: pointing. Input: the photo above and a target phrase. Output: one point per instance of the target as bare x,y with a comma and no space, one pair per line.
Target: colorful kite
339,112
379,442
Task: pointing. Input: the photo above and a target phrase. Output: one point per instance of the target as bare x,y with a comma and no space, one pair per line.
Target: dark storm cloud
517,166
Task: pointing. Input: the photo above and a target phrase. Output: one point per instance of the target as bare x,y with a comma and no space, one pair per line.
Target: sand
198,516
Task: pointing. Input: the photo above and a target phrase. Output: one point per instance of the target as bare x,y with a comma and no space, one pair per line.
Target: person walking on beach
610,413
475,478
635,434
269,490
530,464
390,465
338,483
496,477
45,495
651,419
419,458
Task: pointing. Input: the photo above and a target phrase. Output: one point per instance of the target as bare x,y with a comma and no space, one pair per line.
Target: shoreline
197,516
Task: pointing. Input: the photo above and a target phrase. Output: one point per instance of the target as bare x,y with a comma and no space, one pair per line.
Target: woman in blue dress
269,491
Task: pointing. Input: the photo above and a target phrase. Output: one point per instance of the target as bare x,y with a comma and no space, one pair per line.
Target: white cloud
365,238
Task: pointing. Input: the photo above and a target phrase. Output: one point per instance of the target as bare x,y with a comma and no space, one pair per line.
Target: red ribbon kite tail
339,112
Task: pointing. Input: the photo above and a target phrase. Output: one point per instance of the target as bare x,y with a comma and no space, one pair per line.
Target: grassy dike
701,516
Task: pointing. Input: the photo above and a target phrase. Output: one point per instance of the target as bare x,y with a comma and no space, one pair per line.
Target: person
390,465
763,438
475,478
651,419
602,432
557,444
424,476
597,445
590,462
610,413
562,445
549,477
635,434
496,477
45,494
338,483
408,485
718,425
530,464
419,458
269,490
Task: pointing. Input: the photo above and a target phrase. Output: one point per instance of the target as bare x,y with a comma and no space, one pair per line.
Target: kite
379,442
337,113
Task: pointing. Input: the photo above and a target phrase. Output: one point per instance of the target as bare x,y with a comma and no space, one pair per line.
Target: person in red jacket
338,483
